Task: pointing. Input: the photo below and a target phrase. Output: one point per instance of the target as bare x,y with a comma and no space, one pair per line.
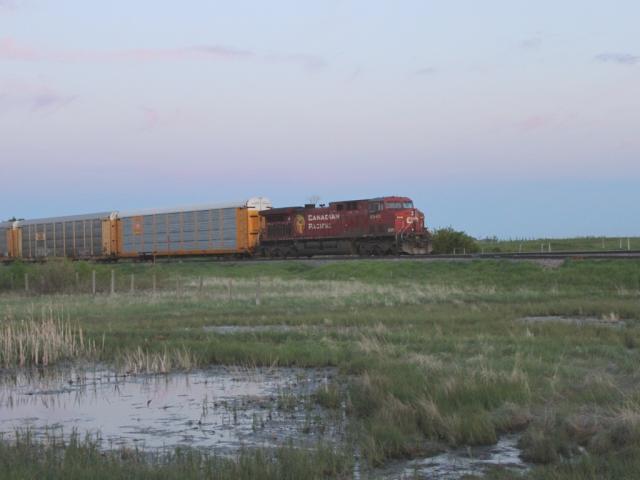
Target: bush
447,240
55,276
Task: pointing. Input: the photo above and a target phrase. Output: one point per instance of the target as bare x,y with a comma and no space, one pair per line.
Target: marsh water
218,409
458,463
222,409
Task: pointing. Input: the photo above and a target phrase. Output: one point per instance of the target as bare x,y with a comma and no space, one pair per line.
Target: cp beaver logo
298,224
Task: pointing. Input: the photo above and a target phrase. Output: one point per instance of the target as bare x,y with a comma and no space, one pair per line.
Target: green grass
432,354
581,244
81,458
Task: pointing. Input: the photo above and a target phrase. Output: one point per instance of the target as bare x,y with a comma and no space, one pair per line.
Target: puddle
602,321
220,408
457,464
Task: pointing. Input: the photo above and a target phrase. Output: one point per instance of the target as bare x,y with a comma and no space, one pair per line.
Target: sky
510,118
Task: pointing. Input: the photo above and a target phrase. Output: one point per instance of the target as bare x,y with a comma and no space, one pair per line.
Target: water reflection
219,408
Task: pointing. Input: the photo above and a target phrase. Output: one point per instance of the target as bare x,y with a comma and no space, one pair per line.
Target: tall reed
42,338
144,361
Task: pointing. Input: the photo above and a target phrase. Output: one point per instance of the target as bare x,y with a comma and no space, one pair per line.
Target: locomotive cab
398,213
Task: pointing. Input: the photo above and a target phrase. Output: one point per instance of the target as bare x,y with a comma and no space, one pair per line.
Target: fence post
133,283
549,247
93,283
26,282
620,243
113,282
628,244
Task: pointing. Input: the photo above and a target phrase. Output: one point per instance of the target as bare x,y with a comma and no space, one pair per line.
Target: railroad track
552,255
578,255
616,254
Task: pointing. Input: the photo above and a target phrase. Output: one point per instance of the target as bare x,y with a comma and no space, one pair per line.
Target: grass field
431,355
578,244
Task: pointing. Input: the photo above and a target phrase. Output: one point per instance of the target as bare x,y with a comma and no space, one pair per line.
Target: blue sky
508,118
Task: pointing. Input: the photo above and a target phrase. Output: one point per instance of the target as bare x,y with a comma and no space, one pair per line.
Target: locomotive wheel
369,250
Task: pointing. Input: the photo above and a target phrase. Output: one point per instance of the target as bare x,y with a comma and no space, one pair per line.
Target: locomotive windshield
399,205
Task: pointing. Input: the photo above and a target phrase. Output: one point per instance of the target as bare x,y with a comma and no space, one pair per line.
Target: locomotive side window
352,206
339,207
375,207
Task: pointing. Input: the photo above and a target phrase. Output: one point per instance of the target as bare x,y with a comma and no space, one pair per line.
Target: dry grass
142,361
335,291
42,338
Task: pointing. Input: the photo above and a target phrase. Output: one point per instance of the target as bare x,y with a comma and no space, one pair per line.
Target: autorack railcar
218,229
75,236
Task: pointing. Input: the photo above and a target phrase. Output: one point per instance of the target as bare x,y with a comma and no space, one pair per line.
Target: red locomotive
376,226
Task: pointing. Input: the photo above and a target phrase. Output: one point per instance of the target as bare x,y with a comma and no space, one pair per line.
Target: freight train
377,226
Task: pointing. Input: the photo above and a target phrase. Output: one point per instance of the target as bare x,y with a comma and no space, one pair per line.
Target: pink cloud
7,5
153,117
35,97
9,50
535,122
310,62
426,71
619,58
12,50
531,43
150,55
